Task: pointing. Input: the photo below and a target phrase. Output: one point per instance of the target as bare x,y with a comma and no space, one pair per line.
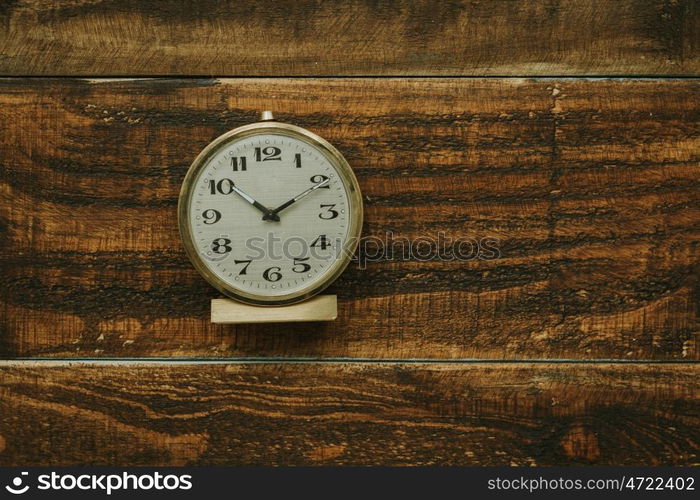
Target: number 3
329,213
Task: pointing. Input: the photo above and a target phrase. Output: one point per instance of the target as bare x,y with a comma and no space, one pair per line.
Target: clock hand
267,214
273,213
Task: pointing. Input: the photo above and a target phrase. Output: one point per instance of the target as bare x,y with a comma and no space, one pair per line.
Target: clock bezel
344,170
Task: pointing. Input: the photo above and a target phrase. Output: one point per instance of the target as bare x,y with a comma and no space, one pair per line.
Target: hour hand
267,214
273,213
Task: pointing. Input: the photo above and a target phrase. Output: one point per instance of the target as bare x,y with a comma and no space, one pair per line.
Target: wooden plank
360,37
230,312
588,189
350,414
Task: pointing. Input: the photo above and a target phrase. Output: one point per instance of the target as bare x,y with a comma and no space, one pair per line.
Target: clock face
270,213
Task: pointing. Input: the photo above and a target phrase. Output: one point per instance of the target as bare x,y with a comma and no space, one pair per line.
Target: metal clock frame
344,171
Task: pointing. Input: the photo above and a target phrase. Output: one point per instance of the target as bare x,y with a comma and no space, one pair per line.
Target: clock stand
318,308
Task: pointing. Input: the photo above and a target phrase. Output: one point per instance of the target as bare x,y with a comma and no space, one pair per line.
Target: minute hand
273,213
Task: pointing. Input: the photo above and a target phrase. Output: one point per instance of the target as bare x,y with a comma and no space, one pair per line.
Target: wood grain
350,414
589,188
359,37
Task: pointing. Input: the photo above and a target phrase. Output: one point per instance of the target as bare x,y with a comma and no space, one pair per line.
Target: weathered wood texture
298,414
591,188
340,37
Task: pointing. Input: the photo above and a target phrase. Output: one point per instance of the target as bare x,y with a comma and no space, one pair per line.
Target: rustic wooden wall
590,189
358,37
349,413
590,186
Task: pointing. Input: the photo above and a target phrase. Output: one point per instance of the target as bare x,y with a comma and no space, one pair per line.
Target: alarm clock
270,213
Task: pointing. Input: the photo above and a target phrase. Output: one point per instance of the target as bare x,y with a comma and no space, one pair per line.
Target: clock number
300,262
297,160
224,186
211,216
270,152
320,178
329,213
321,241
272,274
221,245
238,163
245,268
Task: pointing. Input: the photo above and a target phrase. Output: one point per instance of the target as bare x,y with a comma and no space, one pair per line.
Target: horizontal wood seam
534,76
182,361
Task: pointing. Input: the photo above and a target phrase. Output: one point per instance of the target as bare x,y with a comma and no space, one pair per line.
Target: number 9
211,214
